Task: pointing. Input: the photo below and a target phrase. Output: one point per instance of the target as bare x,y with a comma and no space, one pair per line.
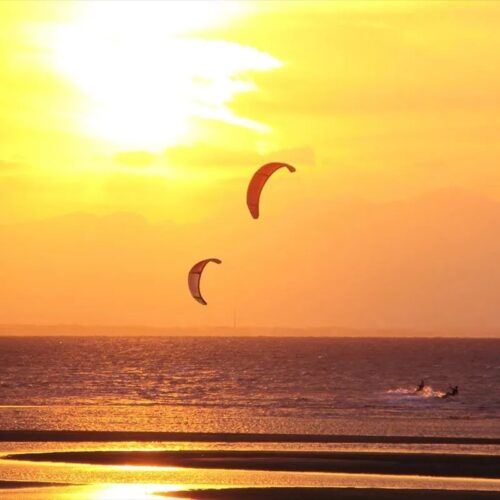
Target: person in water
420,387
452,391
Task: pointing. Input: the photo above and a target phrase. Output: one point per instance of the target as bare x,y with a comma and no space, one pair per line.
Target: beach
473,466
136,422
219,466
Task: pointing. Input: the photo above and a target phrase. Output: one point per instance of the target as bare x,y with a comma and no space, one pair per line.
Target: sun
145,75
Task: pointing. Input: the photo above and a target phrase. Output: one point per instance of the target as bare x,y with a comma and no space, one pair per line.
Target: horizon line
110,330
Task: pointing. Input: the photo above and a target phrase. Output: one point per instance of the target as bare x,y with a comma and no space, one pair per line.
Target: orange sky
129,131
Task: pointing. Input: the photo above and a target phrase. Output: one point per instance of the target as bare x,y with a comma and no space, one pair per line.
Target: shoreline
215,437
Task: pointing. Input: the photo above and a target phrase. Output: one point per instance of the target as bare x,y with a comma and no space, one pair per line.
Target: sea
348,386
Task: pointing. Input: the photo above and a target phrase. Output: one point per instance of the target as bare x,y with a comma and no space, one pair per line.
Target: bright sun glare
145,79
127,491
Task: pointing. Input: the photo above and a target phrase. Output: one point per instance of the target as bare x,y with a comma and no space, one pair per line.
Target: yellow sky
129,130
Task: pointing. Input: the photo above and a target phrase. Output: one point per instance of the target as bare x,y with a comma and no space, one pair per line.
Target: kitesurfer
420,387
452,391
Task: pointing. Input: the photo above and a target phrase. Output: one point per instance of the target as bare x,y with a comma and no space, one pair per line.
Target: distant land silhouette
426,264
117,330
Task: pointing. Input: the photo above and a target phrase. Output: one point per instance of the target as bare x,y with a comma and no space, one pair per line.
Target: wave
425,393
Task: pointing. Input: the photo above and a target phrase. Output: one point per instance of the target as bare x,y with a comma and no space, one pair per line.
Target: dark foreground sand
298,493
10,485
423,464
332,494
193,437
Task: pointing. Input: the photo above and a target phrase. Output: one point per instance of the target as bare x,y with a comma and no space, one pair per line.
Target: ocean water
259,384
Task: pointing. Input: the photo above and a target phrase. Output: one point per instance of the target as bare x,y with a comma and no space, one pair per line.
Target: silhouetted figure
420,387
452,391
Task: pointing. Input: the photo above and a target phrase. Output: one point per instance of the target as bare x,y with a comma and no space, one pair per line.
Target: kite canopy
194,278
257,183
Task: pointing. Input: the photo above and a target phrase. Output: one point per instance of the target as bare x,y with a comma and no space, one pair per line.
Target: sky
129,132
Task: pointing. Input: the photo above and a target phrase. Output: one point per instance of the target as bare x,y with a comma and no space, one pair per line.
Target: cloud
202,155
342,60
10,166
135,158
304,156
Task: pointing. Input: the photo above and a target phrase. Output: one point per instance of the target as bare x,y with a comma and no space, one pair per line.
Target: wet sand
10,485
331,494
108,436
421,464
276,493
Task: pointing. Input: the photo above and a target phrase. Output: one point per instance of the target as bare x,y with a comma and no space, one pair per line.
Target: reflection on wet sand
97,492
479,466
176,492
126,491
139,470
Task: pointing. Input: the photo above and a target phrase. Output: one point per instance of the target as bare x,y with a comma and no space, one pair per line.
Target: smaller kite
257,183
194,278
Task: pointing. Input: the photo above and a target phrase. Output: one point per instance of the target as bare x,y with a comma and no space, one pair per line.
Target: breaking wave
425,393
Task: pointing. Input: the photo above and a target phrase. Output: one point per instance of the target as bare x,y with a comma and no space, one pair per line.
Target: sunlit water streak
349,386
8,448
209,478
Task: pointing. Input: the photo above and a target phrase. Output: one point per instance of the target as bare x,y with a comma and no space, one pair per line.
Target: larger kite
257,183
194,278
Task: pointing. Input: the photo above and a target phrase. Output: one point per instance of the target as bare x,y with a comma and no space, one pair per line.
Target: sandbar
117,436
422,464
